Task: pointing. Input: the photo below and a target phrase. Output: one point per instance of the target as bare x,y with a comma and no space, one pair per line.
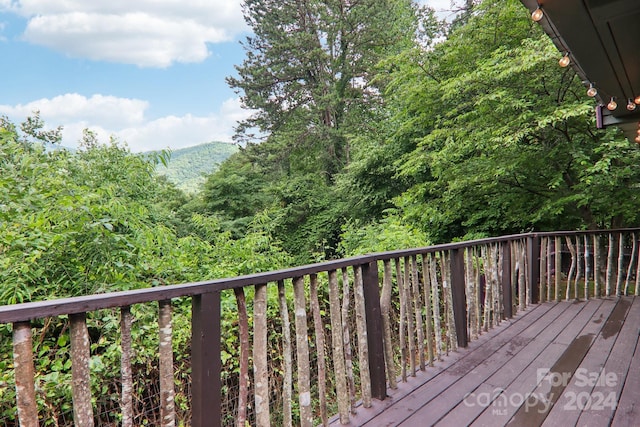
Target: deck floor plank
504,367
615,370
404,389
456,395
545,393
517,335
628,410
592,362
506,330
509,380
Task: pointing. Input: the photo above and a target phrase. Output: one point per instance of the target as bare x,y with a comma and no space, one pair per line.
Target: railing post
533,267
206,396
80,372
24,375
458,294
374,330
507,290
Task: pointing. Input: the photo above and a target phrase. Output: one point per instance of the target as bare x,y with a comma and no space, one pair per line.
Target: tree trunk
320,349
549,248
287,386
610,258
487,288
574,262
558,268
243,376
632,261
500,309
167,387
385,308
346,337
411,334
24,375
495,284
427,303
543,268
620,275
260,358
471,293
436,305
404,352
579,267
447,293
586,267
126,397
363,347
597,261
478,295
302,352
417,308
81,380
342,391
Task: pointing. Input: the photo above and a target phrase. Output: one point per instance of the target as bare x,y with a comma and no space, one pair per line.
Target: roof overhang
602,38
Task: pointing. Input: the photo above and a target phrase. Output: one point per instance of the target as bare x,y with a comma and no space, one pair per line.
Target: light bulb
637,100
612,105
592,91
537,14
631,105
565,60
638,139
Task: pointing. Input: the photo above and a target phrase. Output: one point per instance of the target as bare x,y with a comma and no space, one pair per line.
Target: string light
631,105
592,91
565,60
637,100
537,14
612,105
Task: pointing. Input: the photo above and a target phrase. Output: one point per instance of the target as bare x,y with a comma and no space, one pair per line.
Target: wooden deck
557,364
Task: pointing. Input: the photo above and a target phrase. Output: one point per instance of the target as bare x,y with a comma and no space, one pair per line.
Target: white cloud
125,119
178,132
147,33
109,111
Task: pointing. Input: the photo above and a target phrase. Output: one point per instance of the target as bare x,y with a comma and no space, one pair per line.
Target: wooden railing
338,334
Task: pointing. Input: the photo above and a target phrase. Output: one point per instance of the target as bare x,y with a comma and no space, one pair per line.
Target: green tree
310,68
504,140
77,223
310,75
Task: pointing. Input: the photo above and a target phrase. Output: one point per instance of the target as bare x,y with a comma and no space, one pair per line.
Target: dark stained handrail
34,310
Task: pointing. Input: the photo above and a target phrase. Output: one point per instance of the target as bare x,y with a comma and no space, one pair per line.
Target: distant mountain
188,166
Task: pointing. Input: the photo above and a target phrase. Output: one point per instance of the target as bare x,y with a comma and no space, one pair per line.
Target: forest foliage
459,130
375,127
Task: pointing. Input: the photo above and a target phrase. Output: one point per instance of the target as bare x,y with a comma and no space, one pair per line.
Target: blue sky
149,72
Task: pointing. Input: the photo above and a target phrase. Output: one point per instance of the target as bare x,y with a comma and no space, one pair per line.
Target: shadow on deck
557,363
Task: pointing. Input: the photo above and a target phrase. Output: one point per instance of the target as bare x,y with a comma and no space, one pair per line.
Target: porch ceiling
602,38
